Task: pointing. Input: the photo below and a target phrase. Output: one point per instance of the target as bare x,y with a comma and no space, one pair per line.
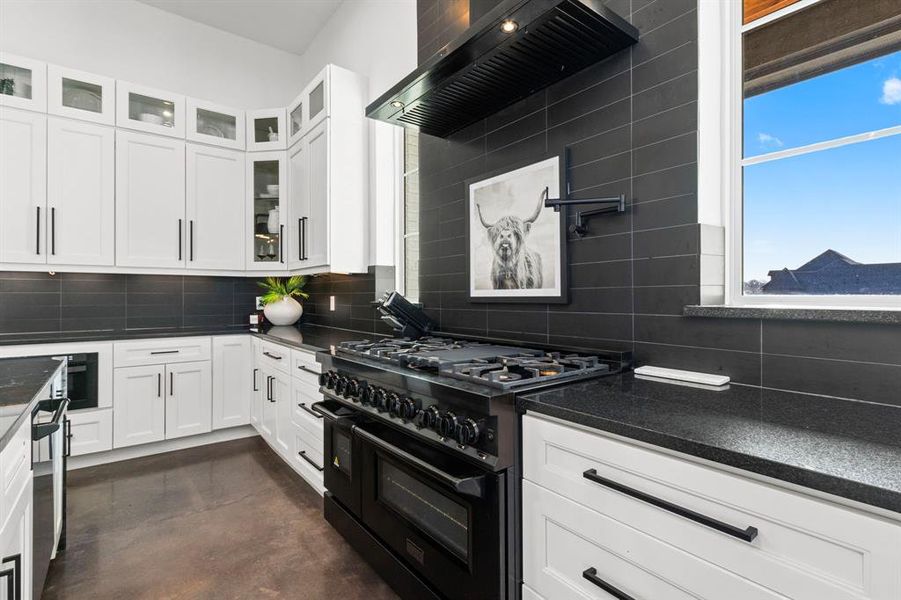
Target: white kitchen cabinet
80,95
188,399
23,187
139,405
161,351
233,387
23,82
296,119
80,193
265,217
150,110
150,201
268,406
257,385
92,431
266,129
302,414
16,546
281,394
214,208
215,124
802,547
334,91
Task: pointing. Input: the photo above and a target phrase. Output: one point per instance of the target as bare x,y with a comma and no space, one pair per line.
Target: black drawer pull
155,352
748,534
308,370
274,356
591,574
255,380
304,456
310,410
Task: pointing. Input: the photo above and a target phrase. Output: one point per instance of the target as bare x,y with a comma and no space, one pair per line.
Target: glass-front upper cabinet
150,110
316,96
297,125
266,129
23,82
214,124
81,95
266,186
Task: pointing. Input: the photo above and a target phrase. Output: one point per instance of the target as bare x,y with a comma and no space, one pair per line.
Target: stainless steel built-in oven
83,380
441,515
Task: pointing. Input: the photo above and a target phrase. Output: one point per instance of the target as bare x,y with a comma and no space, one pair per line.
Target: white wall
375,38
129,40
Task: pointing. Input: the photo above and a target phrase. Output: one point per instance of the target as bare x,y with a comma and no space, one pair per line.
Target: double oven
431,522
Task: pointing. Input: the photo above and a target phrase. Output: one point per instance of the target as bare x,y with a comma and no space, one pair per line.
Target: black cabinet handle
155,352
14,583
304,245
68,441
281,243
37,237
270,394
273,356
748,534
310,410
591,574
255,380
303,455
191,244
171,384
308,370
53,230
299,239
179,239
159,385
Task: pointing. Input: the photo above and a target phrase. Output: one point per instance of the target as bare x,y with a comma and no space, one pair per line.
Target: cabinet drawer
305,367
305,396
805,548
303,448
15,467
273,356
92,431
571,551
163,351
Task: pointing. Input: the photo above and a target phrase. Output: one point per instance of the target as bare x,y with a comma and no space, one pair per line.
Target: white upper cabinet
80,193
150,110
23,82
265,214
267,129
214,124
214,208
296,119
316,98
81,95
23,187
150,201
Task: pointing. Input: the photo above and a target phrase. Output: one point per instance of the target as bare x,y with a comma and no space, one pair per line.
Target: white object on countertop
688,376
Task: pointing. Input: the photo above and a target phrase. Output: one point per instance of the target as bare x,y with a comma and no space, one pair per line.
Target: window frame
400,244
721,160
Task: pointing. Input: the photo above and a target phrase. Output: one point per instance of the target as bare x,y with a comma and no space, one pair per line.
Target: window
817,218
408,261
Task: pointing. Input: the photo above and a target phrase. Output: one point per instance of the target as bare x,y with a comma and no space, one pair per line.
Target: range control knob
341,385
323,379
380,400
392,404
407,409
352,389
428,417
332,380
447,425
468,432
367,395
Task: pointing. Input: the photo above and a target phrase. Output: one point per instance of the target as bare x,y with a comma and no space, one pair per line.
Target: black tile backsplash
630,125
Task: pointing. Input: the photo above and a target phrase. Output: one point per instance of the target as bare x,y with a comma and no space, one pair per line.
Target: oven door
440,515
339,453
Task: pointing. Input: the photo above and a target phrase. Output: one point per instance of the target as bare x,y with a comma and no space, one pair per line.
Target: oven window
446,520
341,451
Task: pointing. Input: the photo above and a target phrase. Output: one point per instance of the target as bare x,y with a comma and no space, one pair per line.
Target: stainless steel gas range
421,452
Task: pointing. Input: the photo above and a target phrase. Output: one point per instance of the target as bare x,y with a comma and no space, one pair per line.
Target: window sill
797,313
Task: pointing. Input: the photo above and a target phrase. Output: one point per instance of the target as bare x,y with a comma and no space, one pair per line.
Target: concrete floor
228,520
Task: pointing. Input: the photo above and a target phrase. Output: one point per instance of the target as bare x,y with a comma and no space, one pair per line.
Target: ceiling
289,25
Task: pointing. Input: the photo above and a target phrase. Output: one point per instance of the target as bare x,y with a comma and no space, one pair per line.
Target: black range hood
516,49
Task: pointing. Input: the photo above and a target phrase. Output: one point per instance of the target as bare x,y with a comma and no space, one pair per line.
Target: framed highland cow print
516,248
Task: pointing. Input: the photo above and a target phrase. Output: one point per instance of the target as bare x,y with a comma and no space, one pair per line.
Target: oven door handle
41,430
469,486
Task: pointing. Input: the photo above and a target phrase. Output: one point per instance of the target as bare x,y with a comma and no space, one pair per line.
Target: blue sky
846,198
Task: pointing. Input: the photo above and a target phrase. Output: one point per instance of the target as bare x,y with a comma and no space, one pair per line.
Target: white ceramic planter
284,312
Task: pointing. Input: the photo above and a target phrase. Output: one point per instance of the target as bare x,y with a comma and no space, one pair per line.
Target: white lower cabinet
16,547
232,381
139,407
189,399
92,431
256,398
583,533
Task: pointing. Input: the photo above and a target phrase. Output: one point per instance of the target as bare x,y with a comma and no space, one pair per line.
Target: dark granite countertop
312,337
20,381
846,448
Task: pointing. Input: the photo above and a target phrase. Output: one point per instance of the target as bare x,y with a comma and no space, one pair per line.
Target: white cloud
891,91
769,141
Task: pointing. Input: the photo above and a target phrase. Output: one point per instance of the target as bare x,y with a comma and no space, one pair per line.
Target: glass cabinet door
296,119
146,109
22,82
316,96
266,129
80,95
213,124
266,231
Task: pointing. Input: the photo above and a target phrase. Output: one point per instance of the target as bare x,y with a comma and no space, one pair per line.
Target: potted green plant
279,304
